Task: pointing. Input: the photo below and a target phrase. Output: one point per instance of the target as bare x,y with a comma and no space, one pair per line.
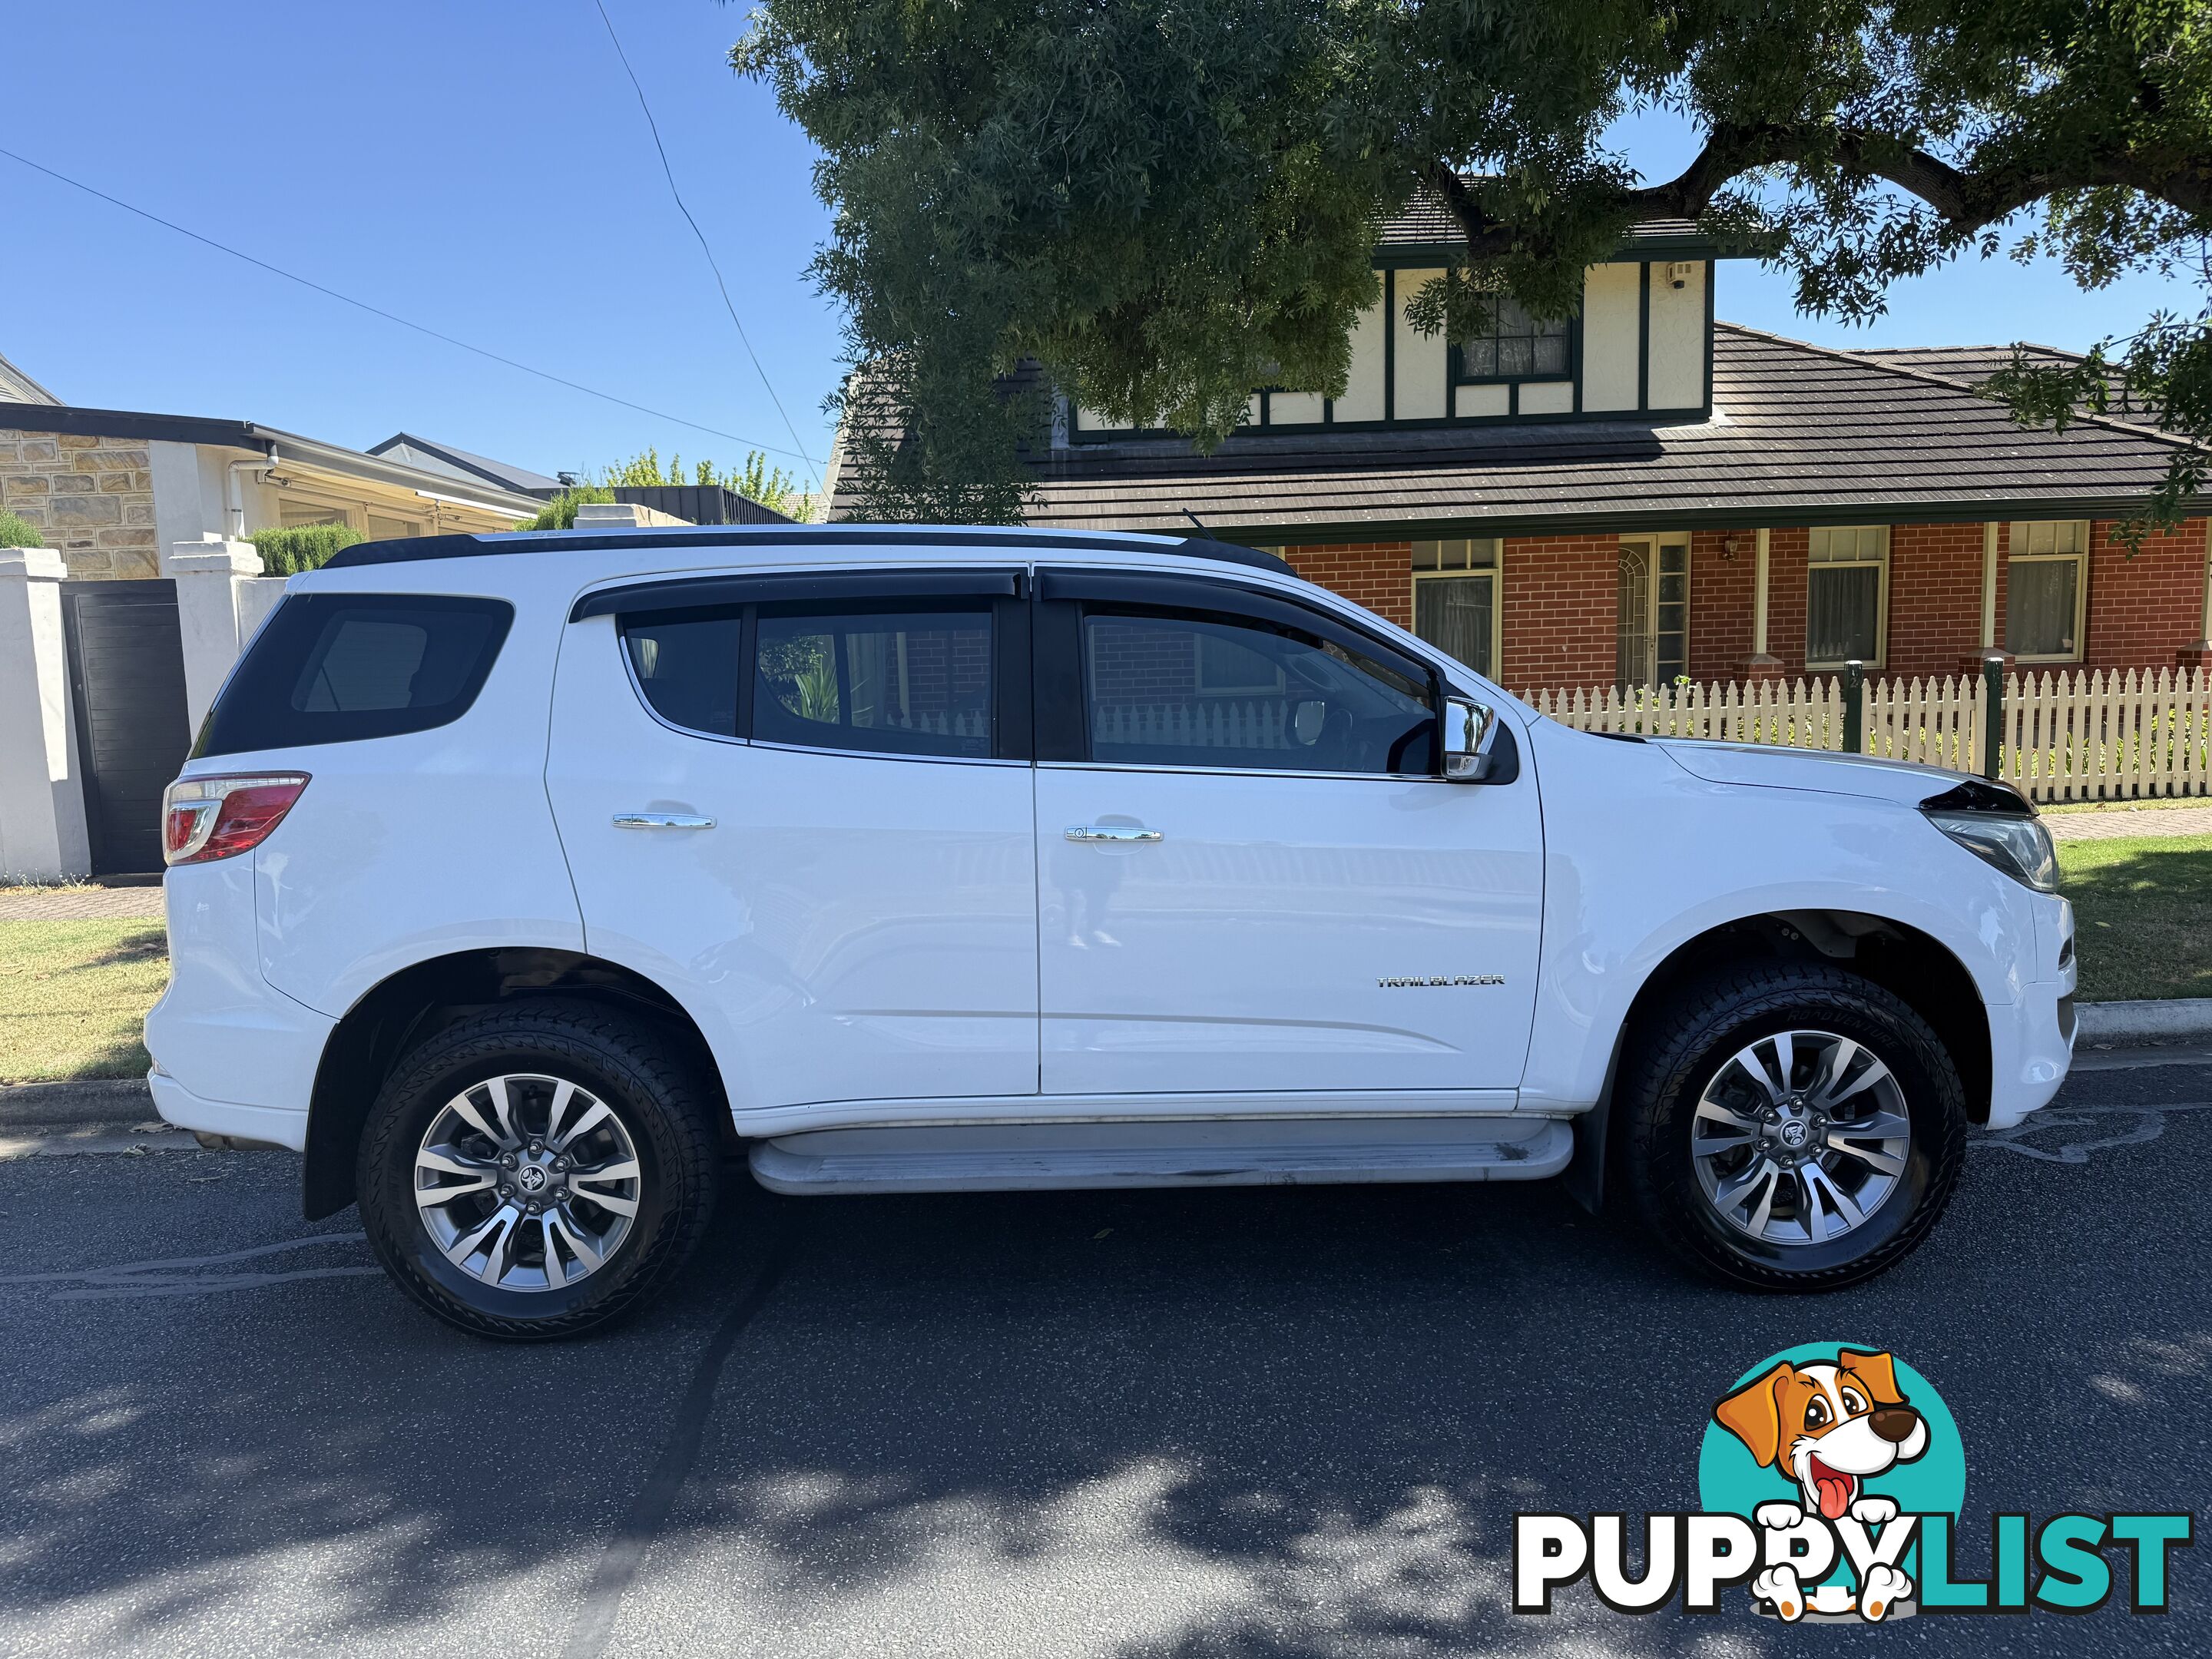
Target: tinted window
687,667
896,681
336,667
1201,690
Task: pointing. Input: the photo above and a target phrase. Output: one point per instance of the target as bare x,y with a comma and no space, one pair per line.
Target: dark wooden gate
126,664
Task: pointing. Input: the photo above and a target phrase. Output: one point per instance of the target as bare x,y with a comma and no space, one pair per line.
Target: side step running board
1245,1152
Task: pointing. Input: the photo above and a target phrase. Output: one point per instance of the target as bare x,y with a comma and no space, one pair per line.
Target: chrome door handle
1109,832
661,821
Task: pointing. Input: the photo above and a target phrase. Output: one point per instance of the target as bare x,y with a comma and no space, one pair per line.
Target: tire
1698,1181
654,1150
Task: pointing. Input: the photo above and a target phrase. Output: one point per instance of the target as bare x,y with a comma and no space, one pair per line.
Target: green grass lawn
2143,909
74,995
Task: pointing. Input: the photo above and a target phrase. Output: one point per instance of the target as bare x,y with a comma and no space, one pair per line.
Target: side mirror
1468,727
1309,720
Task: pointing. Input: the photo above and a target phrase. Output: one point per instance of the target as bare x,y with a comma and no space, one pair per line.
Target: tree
771,486
1166,203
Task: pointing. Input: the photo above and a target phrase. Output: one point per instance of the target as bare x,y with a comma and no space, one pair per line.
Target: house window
1847,596
295,515
2045,585
1516,347
1455,599
383,529
1651,645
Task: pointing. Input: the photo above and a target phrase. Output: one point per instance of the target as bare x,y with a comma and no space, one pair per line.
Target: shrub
17,530
302,547
560,513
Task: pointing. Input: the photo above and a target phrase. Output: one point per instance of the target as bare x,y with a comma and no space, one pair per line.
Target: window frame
1494,572
2080,559
1066,597
1656,541
999,591
1570,334
1880,658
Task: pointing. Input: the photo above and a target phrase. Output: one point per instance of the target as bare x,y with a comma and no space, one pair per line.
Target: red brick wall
1377,574
1562,594
2143,610
1721,588
1785,598
1935,599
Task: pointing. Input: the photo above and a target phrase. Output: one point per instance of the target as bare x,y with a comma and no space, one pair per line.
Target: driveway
1238,1422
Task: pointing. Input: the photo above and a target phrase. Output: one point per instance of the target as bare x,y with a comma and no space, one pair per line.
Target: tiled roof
429,455
1799,433
1427,222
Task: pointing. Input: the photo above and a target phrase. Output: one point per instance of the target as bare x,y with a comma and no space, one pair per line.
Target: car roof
920,541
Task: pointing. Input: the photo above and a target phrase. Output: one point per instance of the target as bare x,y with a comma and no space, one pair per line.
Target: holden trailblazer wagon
525,882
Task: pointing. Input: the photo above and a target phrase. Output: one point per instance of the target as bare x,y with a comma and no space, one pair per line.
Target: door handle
1109,832
661,821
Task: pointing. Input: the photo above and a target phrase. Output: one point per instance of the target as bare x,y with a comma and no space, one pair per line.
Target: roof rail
540,541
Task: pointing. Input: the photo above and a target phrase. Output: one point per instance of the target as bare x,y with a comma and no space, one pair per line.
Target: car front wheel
537,1172
1791,1126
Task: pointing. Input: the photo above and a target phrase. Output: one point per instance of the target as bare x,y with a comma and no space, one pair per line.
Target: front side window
1455,599
2044,588
1846,596
898,682
1213,690
1515,347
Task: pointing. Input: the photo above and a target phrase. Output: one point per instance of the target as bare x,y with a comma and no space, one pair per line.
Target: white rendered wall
1610,343
1678,338
1419,367
42,827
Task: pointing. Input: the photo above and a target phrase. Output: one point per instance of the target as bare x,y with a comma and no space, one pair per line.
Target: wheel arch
1913,965
401,1011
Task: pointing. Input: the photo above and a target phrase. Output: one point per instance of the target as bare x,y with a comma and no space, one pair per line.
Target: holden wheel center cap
531,1180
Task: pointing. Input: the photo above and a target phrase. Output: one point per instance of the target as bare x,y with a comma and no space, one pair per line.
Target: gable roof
1800,434
1425,228
425,455
17,387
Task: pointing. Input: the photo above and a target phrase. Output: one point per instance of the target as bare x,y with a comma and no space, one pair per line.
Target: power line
392,317
669,173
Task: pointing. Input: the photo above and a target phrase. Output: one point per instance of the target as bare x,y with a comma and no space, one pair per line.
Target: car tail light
205,819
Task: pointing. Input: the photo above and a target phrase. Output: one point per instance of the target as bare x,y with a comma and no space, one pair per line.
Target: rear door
804,806
1253,882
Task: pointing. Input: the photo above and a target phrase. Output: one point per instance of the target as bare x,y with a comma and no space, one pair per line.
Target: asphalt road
1084,1425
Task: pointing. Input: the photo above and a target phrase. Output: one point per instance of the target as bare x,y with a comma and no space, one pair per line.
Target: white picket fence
2106,735
1222,723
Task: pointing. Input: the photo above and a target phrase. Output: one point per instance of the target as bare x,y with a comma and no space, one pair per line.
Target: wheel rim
527,1182
1800,1138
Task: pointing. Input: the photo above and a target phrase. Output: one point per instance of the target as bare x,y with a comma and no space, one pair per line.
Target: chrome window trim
1237,771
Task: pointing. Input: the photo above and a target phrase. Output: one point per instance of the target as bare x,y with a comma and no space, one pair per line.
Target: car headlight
2019,846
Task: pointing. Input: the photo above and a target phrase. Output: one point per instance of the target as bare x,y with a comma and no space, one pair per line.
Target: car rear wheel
1791,1126
537,1172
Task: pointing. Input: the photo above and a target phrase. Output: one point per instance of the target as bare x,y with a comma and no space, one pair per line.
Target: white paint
1611,342
1420,363
1762,575
209,574
1679,342
1294,408
1547,398
1363,387
1484,400
42,826
184,507
1242,953
852,927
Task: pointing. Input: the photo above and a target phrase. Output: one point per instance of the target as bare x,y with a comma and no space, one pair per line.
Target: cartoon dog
1831,1427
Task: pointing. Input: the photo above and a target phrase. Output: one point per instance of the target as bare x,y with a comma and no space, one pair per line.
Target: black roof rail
1034,541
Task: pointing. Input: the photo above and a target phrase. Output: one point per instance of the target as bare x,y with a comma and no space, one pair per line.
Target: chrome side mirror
1468,727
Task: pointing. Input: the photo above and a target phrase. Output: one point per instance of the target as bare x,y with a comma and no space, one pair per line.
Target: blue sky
481,166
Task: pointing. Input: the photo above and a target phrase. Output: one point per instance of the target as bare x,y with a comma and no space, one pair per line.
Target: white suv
517,880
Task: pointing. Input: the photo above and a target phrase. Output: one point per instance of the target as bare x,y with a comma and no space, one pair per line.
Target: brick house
1645,493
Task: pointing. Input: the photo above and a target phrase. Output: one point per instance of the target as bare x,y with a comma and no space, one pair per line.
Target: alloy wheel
1800,1137
527,1182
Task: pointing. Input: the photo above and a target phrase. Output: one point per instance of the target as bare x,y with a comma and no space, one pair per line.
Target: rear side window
339,667
686,663
894,681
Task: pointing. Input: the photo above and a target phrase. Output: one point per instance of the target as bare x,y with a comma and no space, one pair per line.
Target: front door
1251,880
807,817
1653,644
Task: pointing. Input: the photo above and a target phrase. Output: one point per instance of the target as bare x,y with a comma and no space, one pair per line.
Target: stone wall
92,496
